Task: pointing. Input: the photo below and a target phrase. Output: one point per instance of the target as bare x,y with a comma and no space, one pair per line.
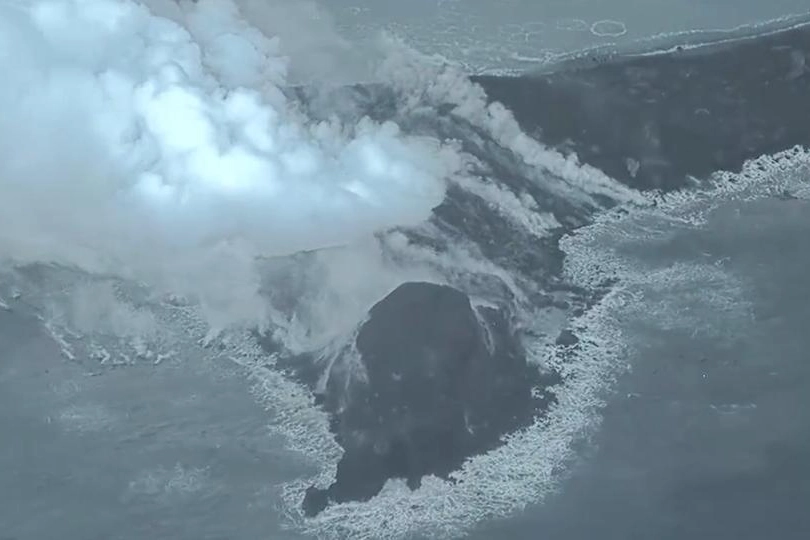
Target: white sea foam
533,461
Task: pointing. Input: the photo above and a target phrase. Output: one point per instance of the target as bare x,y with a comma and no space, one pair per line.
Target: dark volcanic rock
440,383
567,339
653,120
430,381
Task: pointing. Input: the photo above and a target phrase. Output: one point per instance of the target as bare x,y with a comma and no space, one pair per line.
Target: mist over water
148,146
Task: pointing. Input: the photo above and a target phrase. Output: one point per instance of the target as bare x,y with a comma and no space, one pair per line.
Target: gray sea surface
178,450
708,436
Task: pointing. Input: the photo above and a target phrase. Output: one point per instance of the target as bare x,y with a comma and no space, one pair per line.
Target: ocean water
131,452
519,35
704,437
590,210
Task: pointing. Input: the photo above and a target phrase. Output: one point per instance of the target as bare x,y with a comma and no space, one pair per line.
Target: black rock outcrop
437,382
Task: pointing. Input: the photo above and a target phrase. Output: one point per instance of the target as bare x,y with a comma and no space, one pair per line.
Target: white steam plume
160,146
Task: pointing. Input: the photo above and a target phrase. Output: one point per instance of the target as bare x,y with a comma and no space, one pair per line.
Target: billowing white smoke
162,148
